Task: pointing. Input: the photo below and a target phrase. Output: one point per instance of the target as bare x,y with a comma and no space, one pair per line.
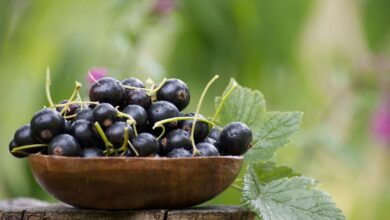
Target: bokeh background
327,58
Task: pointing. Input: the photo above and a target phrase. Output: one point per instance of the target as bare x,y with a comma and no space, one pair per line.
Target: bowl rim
36,156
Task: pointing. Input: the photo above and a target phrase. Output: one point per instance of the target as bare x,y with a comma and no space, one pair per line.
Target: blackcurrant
139,115
105,114
116,133
64,145
179,152
214,133
108,90
216,143
68,126
235,138
46,124
177,138
207,149
17,154
145,144
201,128
85,114
133,82
176,92
23,136
85,132
71,109
91,152
161,110
138,97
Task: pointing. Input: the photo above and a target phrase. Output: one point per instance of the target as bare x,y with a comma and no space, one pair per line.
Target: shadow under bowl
134,183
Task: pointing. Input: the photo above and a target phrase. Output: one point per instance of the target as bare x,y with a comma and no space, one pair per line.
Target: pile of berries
127,119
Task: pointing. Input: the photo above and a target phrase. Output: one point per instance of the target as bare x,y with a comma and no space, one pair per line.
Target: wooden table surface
32,209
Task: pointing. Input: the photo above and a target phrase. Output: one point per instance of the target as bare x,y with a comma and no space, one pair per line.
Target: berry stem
159,123
107,143
226,95
16,149
74,102
130,120
133,148
70,116
48,84
72,97
195,150
125,140
162,133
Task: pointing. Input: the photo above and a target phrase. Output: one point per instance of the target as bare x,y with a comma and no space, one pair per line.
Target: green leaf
273,131
269,171
292,198
243,104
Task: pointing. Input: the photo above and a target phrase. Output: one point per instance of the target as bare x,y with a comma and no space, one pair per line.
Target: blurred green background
327,58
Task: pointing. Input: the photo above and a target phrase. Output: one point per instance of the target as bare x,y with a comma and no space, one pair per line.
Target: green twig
227,94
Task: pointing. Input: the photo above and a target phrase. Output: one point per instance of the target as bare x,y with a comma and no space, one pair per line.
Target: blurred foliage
328,58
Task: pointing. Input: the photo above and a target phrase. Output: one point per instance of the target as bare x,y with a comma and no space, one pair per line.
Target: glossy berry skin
207,149
18,154
64,145
71,108
108,90
116,133
180,152
176,92
85,114
139,114
85,132
23,136
105,114
235,138
133,82
201,128
145,144
216,144
46,124
91,152
138,97
161,110
175,139
215,133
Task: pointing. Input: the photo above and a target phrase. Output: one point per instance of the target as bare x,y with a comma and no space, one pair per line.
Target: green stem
74,102
107,143
223,100
48,84
133,148
72,97
132,87
131,121
162,133
16,149
234,186
195,150
125,140
159,123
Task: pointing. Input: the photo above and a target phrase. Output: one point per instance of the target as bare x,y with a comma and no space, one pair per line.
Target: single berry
145,144
207,149
105,114
175,139
68,126
180,152
161,110
214,142
108,90
138,114
71,109
176,92
84,114
116,133
201,128
91,152
23,136
85,132
133,82
46,124
138,97
235,138
17,154
64,145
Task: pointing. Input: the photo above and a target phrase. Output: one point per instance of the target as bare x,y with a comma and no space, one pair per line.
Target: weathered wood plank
31,209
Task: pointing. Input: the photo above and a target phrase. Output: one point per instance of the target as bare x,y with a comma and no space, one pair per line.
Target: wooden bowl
134,183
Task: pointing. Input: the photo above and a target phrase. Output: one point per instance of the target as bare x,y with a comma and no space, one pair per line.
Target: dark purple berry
91,152
108,90
46,124
138,97
71,108
201,128
105,114
175,139
176,92
180,152
145,144
235,138
207,149
116,133
133,82
17,154
138,114
161,110
64,145
86,134
84,114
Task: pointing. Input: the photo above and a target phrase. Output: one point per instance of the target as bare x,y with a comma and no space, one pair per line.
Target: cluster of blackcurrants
126,119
